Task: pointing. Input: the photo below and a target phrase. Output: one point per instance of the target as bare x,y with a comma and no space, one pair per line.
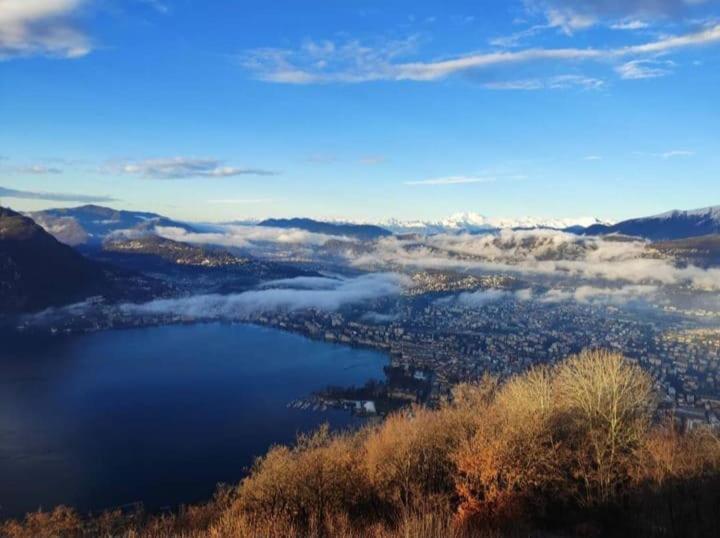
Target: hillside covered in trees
576,449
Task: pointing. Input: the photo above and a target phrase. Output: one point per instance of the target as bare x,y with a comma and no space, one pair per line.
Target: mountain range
199,266
474,222
675,224
38,270
354,231
92,224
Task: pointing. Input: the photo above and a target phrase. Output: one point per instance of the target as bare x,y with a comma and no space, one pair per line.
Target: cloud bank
616,295
606,295
65,229
476,299
321,293
542,253
241,236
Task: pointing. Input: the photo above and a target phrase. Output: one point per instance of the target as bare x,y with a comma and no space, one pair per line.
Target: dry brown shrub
668,454
62,522
112,523
192,519
321,477
429,518
475,396
428,521
512,455
677,482
409,456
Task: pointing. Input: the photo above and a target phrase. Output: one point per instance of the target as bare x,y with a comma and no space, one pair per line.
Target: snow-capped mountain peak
710,213
475,222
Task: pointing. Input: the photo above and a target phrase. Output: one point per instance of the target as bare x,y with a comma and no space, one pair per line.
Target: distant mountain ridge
92,224
671,225
356,231
174,252
37,271
212,269
475,222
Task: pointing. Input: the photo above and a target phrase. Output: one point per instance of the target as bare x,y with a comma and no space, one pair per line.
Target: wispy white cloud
670,154
705,36
157,5
181,168
634,24
554,83
354,62
321,158
640,69
41,27
572,15
569,21
239,201
437,70
54,196
676,153
38,170
527,84
516,38
453,180
327,61
371,160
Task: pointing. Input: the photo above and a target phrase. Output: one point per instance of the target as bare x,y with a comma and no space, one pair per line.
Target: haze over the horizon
224,110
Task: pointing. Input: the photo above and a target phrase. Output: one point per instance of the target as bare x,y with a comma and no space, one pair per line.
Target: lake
157,415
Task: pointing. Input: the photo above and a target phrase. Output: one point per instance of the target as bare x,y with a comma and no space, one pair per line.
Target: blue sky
348,109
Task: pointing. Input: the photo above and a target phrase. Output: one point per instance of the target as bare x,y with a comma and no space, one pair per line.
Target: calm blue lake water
158,415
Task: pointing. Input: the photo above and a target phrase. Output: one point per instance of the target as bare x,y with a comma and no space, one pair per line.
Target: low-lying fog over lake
156,415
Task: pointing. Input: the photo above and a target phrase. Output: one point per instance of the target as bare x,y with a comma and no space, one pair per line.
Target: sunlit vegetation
574,449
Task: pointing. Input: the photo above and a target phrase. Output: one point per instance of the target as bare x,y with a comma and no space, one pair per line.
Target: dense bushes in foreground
568,450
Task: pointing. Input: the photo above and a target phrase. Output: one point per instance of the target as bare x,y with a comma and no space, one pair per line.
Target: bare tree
605,404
